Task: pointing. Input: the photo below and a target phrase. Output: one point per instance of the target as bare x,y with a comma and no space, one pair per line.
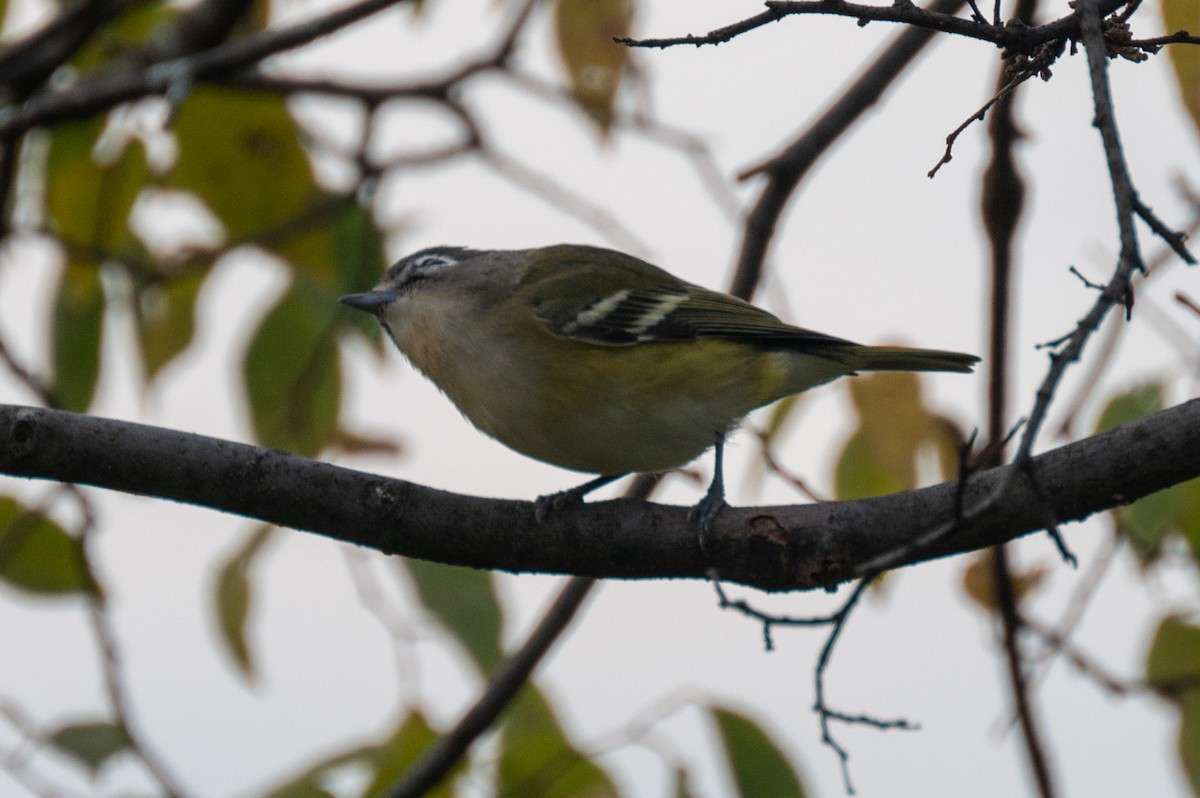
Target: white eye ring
432,261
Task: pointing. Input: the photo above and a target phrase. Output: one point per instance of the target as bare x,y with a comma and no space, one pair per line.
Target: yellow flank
566,402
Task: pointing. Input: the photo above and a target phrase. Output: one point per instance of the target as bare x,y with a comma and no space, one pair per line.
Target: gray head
407,272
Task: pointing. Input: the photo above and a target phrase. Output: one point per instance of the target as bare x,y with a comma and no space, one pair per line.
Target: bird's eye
432,261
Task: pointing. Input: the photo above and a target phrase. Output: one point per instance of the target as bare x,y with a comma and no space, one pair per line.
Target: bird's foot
545,506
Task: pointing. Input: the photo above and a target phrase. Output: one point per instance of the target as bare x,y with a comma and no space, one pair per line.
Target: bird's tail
904,358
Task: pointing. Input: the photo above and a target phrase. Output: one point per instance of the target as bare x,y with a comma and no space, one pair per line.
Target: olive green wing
609,298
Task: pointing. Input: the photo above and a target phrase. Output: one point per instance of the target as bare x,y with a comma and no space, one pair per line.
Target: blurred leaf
78,323
358,249
537,759
411,739
129,34
1173,668
781,413
1149,521
311,783
340,251
894,427
759,768
464,600
1174,659
860,473
37,555
239,150
90,744
683,785
385,762
585,30
308,786
292,374
166,318
88,203
1185,15
1189,739
234,595
979,580
1130,406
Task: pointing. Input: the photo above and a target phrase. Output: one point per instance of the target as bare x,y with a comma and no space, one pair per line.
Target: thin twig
504,682
1012,624
785,170
110,658
717,36
1013,38
103,92
822,708
502,688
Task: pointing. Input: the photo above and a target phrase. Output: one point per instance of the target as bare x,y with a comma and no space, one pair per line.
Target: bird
599,362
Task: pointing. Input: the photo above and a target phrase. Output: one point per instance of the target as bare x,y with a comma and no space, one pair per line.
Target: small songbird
599,362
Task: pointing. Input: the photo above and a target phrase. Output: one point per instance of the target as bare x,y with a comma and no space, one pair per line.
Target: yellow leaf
979,580
240,152
1185,15
594,62
894,428
78,321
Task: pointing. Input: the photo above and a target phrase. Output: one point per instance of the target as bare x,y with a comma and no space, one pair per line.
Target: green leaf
292,375
538,760
759,768
239,150
1174,657
464,600
309,786
234,596
1130,406
88,202
1173,668
410,739
385,762
342,251
594,62
37,555
1151,520
1185,15
90,744
894,427
1189,738
129,34
166,318
78,322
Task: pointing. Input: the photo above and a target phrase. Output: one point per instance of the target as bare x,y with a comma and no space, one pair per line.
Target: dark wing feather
605,297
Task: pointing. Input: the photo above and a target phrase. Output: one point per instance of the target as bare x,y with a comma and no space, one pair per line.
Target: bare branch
1013,38
785,170
103,92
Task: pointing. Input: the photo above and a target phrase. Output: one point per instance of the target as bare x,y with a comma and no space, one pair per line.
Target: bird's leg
543,506
714,500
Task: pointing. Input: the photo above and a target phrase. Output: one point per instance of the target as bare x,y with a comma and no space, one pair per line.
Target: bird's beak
371,301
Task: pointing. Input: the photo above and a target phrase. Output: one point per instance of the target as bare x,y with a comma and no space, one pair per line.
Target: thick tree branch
773,548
